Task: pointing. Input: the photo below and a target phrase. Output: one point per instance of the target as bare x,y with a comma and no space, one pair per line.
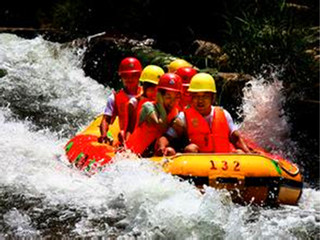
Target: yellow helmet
151,74
202,82
178,63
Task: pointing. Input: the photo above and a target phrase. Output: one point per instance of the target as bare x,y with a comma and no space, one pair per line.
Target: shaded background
175,21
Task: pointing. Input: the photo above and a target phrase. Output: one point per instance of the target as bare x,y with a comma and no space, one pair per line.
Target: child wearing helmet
149,78
117,103
155,117
176,64
207,128
186,73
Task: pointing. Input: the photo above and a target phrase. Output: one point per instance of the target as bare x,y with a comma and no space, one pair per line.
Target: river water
45,98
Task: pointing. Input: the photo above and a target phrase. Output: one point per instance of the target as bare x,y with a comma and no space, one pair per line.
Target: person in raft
176,64
207,128
186,73
149,79
117,103
156,117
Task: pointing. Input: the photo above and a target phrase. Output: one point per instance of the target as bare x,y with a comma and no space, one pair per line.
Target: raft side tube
251,178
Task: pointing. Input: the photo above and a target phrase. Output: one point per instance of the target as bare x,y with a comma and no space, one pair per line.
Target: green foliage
273,35
255,37
71,15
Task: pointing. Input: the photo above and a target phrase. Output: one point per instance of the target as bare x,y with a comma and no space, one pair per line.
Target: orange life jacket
121,107
146,133
215,139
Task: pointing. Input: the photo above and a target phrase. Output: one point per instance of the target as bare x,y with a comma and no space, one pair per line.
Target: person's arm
175,131
153,118
106,119
104,127
234,136
238,141
148,113
162,145
132,116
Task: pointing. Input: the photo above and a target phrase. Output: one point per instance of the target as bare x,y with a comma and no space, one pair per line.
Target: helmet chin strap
213,99
159,98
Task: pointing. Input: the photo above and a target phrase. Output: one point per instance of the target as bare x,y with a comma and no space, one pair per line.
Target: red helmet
171,82
130,65
186,73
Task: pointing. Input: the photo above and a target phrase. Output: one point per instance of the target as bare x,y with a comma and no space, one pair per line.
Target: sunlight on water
42,196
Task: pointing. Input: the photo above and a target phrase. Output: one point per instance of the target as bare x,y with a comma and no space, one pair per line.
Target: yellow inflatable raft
251,178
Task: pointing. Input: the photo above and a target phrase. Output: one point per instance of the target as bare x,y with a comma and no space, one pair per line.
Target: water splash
264,119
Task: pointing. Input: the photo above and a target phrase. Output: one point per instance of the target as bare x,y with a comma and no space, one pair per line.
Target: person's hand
165,151
121,137
238,151
170,151
105,139
162,125
255,151
160,151
128,134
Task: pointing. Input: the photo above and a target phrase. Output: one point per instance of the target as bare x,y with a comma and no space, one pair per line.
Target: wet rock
210,51
122,224
113,217
158,234
207,49
234,76
3,73
117,203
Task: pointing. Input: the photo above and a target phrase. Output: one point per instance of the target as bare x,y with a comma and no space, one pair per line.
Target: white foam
46,74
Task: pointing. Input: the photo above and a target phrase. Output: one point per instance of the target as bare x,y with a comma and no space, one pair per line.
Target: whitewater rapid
46,98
